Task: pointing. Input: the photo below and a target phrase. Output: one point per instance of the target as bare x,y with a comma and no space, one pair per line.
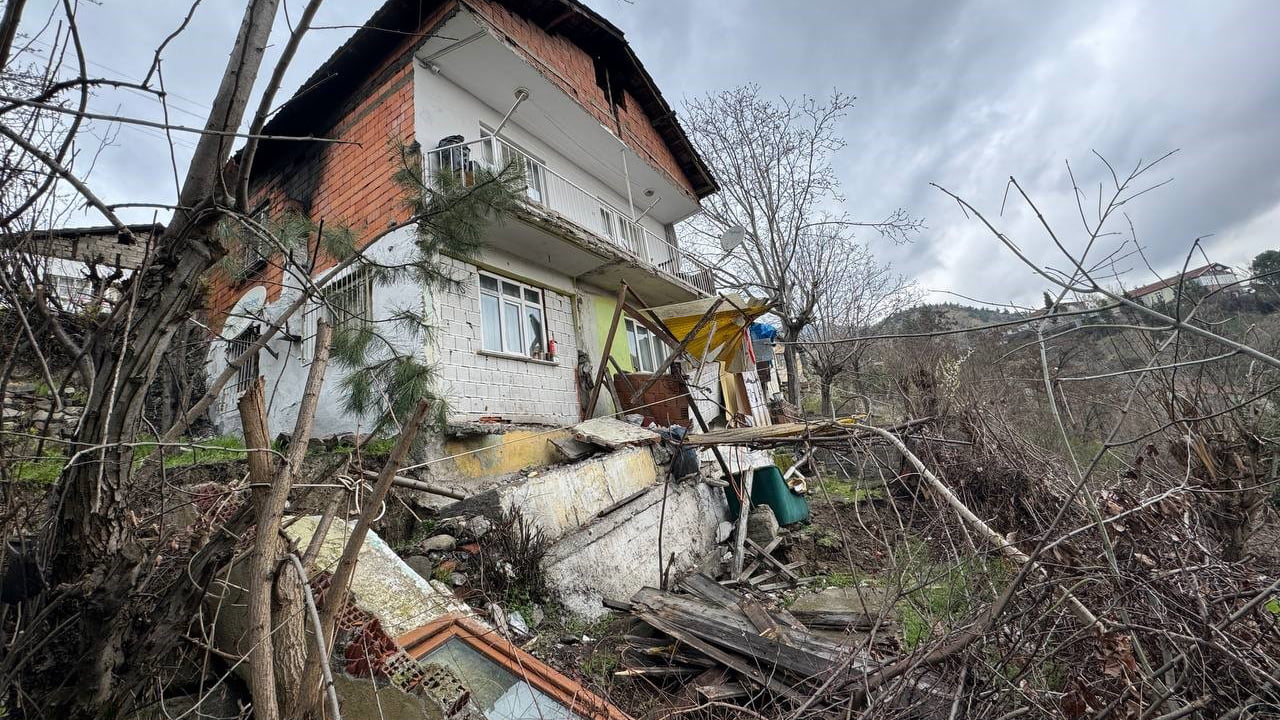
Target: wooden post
608,347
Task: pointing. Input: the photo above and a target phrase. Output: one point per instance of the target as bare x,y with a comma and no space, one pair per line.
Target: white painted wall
475,384
443,108
521,390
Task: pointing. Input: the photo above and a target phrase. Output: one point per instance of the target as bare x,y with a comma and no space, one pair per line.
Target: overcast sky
963,93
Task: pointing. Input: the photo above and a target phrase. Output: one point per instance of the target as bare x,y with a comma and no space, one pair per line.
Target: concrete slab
382,583
562,499
614,433
617,555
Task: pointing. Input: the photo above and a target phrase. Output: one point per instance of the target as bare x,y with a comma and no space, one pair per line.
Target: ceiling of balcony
491,71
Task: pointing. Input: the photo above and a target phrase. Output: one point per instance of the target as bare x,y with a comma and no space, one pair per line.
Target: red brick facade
350,183
572,69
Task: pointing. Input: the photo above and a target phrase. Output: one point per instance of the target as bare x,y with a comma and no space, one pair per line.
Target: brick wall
572,69
479,384
348,183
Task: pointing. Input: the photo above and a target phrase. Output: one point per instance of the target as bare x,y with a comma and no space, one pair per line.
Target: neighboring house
1213,276
609,172
65,259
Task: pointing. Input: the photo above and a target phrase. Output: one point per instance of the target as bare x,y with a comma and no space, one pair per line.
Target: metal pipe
522,94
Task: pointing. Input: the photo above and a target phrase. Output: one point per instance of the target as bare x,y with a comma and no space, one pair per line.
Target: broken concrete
762,525
617,555
564,498
613,433
383,584
862,600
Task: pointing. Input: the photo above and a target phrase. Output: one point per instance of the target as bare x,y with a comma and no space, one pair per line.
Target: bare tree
774,161
110,613
865,292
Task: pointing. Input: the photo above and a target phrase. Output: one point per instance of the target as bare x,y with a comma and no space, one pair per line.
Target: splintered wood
724,645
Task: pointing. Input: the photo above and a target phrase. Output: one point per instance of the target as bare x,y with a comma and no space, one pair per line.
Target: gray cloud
964,94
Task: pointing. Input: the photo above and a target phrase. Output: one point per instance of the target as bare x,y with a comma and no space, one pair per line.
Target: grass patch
226,448
845,491
39,472
842,579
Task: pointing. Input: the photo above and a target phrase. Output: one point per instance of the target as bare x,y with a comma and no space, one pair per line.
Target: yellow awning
720,338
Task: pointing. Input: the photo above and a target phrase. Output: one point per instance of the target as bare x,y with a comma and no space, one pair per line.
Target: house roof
1188,275
311,110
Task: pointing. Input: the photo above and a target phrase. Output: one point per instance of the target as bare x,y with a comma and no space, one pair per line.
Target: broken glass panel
499,693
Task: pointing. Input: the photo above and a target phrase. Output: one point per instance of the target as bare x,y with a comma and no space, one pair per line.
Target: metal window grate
239,345
350,301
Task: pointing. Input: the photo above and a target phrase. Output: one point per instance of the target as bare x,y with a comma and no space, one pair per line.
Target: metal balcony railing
552,191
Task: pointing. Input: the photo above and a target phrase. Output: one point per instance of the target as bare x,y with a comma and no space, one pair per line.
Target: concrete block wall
479,384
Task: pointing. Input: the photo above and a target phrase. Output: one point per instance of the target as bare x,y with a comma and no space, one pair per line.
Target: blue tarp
761,331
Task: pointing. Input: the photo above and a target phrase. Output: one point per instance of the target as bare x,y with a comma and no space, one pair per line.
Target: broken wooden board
612,433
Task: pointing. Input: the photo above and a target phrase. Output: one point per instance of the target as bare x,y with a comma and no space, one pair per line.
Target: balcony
550,192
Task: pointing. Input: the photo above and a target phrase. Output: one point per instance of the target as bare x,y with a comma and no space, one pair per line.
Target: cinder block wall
520,390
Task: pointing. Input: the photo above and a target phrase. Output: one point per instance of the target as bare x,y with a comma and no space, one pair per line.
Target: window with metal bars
239,345
350,300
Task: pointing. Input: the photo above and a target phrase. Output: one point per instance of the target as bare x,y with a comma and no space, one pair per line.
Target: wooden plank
770,559
833,619
703,586
728,659
722,691
760,618
802,653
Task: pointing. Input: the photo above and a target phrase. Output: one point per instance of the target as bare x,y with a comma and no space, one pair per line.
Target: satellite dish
732,237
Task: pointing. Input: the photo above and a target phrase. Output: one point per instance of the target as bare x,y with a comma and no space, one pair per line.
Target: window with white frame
247,373
622,231
646,350
498,152
512,317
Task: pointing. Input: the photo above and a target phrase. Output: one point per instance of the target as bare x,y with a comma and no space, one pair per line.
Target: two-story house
608,173
1206,278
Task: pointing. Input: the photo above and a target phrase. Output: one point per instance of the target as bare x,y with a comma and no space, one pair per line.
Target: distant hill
944,316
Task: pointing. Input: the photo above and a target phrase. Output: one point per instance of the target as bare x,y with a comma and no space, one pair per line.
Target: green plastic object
768,488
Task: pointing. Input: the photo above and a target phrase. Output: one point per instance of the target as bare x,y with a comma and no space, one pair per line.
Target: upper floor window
646,349
624,232
254,246
512,317
497,153
608,84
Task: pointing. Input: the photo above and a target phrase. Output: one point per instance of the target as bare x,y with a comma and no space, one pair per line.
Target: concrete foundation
618,554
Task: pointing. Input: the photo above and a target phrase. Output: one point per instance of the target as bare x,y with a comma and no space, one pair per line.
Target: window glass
646,350
632,345
490,323
511,327
512,318
533,314
499,693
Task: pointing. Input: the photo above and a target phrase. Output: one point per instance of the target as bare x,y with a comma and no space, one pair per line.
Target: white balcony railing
552,191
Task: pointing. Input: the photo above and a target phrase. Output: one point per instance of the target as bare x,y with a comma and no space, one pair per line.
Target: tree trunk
791,359
827,408
92,544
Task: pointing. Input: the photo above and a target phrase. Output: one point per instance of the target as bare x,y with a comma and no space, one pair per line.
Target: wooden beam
678,350
608,346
